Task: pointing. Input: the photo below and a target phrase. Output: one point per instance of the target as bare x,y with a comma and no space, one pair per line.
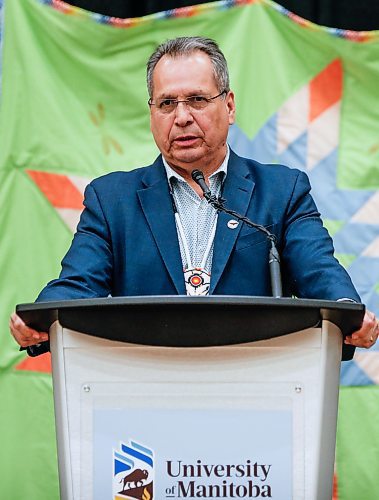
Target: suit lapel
156,204
237,192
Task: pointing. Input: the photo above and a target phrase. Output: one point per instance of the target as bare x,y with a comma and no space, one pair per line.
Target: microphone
274,257
198,177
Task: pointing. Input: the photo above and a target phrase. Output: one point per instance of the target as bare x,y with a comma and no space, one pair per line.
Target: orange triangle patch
40,364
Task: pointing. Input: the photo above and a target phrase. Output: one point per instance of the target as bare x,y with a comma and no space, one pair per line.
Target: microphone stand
274,257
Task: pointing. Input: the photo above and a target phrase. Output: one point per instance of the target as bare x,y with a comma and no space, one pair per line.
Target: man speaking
151,232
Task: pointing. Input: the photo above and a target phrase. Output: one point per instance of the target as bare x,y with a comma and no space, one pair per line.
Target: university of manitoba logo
133,472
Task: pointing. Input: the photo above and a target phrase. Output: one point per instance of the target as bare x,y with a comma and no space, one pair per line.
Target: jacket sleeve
308,252
87,267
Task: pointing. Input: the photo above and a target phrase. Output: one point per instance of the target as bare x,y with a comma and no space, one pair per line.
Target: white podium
221,399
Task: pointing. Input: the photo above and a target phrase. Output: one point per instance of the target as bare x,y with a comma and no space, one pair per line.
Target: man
141,229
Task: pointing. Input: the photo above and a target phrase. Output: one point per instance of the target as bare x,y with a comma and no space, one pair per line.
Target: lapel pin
232,224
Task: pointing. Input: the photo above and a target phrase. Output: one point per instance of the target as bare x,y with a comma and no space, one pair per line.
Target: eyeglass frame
186,101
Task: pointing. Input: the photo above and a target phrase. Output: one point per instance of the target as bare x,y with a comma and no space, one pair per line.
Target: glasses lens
197,102
167,105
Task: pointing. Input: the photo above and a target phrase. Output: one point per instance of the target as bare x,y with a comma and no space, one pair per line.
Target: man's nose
183,115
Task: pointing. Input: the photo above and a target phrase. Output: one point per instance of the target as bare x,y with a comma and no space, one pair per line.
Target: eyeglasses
194,102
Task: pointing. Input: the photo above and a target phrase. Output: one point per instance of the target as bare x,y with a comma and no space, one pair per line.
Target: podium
196,397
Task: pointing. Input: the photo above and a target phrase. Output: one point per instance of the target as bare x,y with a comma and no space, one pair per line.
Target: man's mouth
186,140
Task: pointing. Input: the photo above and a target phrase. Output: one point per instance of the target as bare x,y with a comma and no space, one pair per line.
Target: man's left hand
368,333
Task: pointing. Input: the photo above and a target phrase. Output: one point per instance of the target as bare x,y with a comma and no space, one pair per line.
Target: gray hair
185,45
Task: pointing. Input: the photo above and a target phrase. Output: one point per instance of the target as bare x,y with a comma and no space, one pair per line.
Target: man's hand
367,335
24,335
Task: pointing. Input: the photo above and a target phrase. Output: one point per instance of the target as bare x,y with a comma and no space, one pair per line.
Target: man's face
189,138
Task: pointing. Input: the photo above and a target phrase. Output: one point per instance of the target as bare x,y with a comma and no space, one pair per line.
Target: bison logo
133,472
137,477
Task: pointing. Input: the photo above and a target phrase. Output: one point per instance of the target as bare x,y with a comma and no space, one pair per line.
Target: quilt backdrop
74,106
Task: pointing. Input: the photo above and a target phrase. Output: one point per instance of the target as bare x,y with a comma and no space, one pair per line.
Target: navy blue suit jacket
126,242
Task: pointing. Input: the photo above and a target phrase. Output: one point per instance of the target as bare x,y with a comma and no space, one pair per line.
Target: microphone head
197,175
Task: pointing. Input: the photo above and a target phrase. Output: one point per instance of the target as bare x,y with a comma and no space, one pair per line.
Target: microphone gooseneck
274,257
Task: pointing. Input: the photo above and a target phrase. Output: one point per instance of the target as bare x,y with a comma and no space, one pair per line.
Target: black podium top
181,321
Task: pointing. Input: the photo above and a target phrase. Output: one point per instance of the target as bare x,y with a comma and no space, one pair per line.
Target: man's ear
231,106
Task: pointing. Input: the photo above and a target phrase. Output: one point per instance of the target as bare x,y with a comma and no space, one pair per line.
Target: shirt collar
222,168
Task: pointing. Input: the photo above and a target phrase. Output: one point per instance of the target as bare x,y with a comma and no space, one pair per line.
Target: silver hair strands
187,45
